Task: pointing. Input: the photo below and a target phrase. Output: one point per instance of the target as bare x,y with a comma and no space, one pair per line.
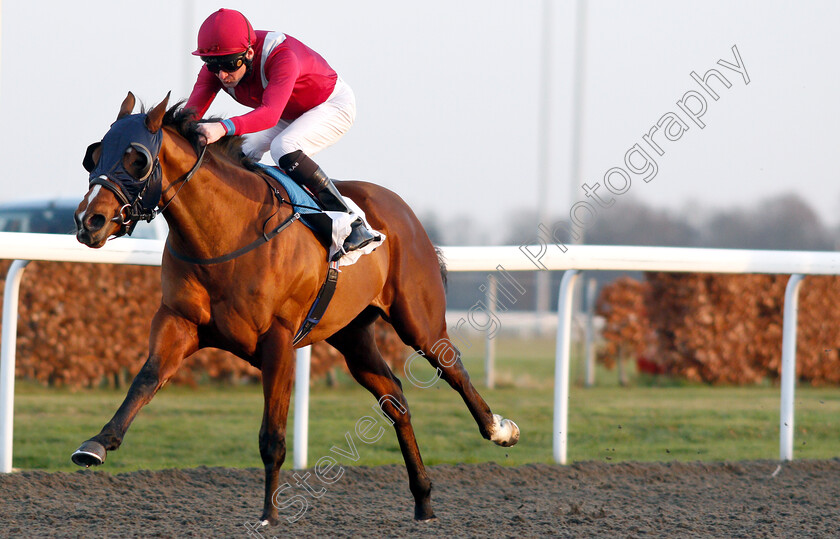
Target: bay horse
252,305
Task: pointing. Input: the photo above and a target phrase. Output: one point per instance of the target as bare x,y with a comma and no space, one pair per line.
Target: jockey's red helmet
225,32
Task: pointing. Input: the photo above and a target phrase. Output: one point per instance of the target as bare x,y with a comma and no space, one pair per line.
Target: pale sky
448,95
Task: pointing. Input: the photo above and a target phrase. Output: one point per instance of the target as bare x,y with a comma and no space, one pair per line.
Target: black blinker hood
130,131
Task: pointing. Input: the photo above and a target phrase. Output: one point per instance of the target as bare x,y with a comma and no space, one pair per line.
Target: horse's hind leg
357,343
422,325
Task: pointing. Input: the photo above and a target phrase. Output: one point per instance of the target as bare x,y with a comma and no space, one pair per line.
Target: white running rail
26,247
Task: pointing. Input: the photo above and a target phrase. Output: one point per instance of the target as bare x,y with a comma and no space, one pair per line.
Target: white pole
591,289
561,367
578,102
301,443
543,278
788,380
188,40
490,340
578,105
1,44
7,362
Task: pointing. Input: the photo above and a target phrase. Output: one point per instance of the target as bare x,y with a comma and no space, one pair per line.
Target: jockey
300,103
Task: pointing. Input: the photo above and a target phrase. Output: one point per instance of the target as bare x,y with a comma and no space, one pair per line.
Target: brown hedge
627,328
726,329
84,325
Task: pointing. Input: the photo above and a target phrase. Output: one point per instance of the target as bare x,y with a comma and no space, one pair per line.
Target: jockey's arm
281,72
204,92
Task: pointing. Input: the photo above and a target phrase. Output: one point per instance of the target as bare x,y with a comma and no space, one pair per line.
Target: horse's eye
135,161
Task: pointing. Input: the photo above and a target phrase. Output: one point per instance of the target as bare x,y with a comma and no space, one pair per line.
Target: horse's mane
230,148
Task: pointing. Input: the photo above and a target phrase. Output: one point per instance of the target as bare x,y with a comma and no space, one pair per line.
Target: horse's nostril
95,222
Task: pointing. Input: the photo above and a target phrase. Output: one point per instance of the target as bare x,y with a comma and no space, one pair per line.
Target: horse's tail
442,264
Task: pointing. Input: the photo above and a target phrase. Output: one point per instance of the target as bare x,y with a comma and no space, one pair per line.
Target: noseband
129,213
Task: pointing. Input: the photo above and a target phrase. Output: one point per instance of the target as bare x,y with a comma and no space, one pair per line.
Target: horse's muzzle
89,229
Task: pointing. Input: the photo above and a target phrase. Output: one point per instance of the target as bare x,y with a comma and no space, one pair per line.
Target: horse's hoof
432,518
504,432
89,454
267,519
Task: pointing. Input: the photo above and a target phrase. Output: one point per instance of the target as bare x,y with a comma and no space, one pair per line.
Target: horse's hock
84,325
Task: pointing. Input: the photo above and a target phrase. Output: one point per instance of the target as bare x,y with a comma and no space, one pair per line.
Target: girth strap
321,303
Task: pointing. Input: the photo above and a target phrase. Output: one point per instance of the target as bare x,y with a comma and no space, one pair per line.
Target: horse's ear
127,106
91,156
154,119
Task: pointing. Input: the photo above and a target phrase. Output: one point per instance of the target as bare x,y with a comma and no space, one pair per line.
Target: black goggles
228,64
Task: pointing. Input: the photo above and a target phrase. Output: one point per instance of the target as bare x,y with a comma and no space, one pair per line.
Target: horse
252,303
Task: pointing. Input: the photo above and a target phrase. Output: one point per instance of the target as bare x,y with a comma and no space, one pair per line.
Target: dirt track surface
590,499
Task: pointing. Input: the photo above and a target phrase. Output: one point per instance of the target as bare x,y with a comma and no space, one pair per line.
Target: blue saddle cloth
298,196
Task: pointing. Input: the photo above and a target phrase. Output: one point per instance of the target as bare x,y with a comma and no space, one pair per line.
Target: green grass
215,426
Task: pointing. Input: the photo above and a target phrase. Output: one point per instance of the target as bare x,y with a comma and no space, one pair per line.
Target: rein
187,177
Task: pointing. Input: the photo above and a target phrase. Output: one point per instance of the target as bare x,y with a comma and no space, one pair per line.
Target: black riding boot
304,171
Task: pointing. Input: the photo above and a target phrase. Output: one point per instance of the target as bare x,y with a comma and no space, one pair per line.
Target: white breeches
313,131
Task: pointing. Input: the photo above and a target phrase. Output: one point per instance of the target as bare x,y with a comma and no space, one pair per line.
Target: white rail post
7,362
301,444
788,380
561,367
490,338
591,290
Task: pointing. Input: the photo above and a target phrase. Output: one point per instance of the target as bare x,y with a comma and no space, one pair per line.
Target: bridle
138,194
133,211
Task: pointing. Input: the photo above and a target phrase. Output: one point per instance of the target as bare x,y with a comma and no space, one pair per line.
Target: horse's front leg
277,355
172,339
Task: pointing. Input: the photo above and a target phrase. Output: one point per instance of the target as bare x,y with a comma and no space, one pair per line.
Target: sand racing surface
588,499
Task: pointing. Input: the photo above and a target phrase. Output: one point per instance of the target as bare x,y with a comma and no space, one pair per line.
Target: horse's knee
152,376
148,379
272,447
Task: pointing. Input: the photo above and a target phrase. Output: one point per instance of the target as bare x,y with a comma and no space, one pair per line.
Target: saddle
303,203
330,227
